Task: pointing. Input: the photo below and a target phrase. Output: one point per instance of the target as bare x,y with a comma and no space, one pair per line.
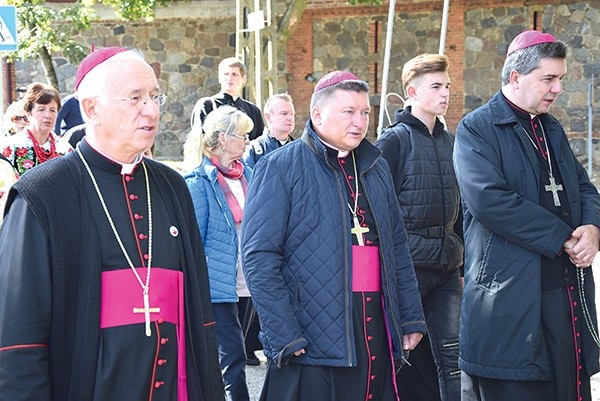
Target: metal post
590,122
2,87
257,63
444,27
238,27
386,64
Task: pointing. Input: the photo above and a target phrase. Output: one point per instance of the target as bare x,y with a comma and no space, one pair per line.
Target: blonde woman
218,186
15,118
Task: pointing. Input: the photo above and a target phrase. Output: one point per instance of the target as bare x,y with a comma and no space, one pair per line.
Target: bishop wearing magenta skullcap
103,281
532,217
326,260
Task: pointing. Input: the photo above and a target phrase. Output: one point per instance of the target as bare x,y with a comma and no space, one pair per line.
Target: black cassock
130,365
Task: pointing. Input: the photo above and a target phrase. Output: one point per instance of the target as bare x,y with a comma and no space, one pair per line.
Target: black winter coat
426,188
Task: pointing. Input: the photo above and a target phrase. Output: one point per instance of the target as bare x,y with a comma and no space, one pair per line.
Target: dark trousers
250,326
419,381
441,295
232,355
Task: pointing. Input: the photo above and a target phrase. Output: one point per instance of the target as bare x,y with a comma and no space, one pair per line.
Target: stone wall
353,38
487,34
186,51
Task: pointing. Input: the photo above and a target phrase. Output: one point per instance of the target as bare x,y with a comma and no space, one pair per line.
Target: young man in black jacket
419,151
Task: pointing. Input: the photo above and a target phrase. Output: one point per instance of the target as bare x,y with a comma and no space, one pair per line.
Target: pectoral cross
358,230
146,310
554,189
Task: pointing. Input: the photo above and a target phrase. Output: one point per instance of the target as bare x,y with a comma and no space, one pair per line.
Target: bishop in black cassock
75,323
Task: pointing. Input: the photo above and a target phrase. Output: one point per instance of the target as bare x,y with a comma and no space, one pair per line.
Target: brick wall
333,35
299,69
417,29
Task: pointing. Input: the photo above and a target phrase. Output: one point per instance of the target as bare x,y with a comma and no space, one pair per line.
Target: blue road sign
8,28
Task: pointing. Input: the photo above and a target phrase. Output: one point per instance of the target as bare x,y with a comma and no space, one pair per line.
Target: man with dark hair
103,281
531,218
419,151
325,258
232,77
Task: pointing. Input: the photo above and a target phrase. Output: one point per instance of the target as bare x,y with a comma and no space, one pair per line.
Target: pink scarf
234,173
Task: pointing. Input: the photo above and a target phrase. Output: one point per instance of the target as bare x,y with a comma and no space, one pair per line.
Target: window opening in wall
246,61
375,30
269,55
245,12
376,37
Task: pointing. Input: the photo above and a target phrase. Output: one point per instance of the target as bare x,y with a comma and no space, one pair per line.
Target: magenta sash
366,274
121,292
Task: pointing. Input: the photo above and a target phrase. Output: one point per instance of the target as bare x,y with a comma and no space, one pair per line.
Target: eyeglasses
16,119
243,137
136,100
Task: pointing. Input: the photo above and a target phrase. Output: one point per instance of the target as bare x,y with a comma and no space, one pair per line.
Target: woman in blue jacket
218,187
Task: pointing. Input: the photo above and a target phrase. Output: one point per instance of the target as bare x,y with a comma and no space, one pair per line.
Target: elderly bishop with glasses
103,282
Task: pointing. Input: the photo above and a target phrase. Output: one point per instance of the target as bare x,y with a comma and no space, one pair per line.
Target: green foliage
135,9
42,28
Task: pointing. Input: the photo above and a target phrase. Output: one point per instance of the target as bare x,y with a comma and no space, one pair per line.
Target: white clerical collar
341,153
126,168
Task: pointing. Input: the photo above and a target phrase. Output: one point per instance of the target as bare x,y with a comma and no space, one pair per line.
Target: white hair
96,82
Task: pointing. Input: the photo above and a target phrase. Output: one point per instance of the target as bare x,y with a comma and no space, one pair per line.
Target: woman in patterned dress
36,143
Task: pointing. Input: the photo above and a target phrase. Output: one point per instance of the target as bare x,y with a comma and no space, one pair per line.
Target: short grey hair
524,61
273,98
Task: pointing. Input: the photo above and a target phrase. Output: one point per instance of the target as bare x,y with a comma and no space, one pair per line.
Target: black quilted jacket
427,190
296,251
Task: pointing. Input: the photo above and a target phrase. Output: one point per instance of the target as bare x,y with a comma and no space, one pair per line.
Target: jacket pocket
494,261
